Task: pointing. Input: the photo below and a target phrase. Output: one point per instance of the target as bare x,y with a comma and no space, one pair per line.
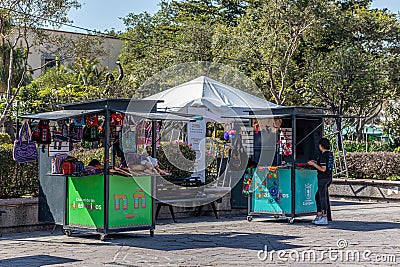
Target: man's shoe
322,221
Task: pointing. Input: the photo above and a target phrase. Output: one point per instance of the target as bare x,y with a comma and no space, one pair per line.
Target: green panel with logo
130,202
272,191
86,201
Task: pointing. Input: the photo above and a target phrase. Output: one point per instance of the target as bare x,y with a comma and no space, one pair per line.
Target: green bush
352,146
373,165
86,155
397,150
394,178
16,179
5,138
164,161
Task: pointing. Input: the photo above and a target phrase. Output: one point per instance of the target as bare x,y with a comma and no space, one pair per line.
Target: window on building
48,62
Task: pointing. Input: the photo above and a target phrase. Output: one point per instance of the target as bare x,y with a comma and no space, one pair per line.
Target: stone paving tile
204,241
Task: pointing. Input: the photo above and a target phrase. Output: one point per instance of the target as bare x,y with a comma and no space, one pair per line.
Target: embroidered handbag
25,151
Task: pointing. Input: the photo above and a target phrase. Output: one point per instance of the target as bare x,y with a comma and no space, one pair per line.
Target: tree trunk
10,74
359,130
273,86
339,131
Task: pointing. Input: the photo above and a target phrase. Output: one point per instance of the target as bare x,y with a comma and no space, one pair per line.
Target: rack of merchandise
282,184
104,199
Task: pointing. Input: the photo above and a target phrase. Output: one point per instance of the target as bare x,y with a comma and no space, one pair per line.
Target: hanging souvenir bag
129,142
41,134
91,131
76,129
75,133
79,120
61,132
238,159
117,120
247,179
25,151
116,126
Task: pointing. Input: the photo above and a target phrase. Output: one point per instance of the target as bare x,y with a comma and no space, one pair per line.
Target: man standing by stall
324,166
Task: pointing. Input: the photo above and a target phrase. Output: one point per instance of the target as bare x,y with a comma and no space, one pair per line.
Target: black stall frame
53,188
294,114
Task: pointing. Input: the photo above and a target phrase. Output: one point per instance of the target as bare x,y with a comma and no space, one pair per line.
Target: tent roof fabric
163,116
206,92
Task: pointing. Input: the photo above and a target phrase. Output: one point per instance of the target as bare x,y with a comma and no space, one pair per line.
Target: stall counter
271,192
130,202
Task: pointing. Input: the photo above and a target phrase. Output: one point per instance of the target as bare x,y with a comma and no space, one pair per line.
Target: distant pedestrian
324,166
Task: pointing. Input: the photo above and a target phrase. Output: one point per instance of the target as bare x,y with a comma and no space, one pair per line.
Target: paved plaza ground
361,234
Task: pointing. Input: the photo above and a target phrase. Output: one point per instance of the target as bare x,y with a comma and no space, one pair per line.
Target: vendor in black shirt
324,166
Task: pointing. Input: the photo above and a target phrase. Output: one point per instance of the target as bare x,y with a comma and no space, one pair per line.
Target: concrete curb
362,189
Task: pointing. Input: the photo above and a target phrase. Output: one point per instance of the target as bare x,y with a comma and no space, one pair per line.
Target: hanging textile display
25,150
128,136
272,184
285,142
247,180
91,129
116,123
41,134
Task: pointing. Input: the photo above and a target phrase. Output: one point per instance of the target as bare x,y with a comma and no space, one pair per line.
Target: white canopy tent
214,101
218,99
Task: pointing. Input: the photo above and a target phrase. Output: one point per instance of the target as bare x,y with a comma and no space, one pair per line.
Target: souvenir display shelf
286,186
107,202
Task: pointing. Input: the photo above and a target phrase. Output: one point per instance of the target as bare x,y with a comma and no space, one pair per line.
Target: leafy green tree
18,55
56,86
182,31
350,61
392,121
21,22
337,54
266,43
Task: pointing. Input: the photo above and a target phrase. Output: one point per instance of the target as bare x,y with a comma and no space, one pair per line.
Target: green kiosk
104,203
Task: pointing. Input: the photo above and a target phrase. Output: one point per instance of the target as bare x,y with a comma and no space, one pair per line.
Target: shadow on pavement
348,203
232,240
174,242
35,261
359,226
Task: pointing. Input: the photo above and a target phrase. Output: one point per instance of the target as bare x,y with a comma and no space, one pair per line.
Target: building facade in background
46,54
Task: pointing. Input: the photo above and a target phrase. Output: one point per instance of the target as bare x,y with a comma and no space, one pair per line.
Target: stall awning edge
59,114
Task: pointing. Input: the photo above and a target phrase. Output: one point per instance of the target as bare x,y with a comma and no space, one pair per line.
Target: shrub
352,146
86,155
5,138
16,179
394,178
173,168
373,165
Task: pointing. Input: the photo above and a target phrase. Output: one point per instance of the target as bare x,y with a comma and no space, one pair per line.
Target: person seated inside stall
94,167
96,163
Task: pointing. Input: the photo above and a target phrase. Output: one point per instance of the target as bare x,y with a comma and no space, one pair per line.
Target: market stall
100,198
286,185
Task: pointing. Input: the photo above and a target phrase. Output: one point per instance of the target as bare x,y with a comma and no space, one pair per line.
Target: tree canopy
340,54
